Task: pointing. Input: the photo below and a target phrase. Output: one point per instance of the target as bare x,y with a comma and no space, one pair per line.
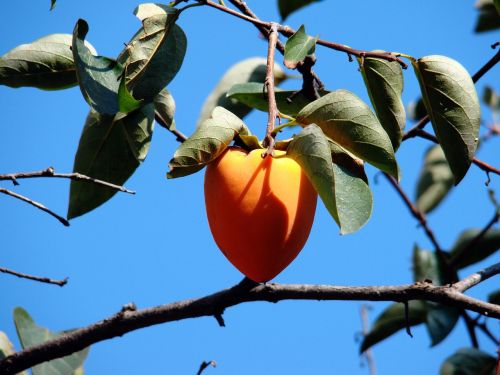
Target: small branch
288,31
35,204
484,328
246,291
413,132
269,85
416,213
471,328
456,257
50,172
476,278
35,278
180,137
407,319
204,365
368,353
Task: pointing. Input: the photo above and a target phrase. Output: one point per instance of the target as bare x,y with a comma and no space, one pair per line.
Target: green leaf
249,70
451,100
47,64
349,122
435,180
489,16
250,142
165,108
98,76
298,47
6,349
52,4
206,143
251,94
486,246
126,102
384,82
31,334
111,148
440,319
154,55
416,110
469,361
393,320
340,186
491,99
494,297
311,151
147,10
287,7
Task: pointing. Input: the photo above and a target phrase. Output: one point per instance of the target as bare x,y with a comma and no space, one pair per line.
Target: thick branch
129,320
35,204
50,172
34,278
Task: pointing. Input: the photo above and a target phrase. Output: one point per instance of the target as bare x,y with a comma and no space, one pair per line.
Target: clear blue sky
155,247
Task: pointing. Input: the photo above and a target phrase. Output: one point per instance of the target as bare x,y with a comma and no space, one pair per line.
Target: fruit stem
269,87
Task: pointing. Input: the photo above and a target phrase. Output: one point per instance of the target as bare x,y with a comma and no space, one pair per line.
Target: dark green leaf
206,143
155,54
298,47
249,70
440,319
110,149
464,255
52,4
252,95
31,334
491,99
494,297
311,151
384,82
497,6
393,320
469,361
451,100
98,76
165,108
489,17
435,180
349,122
286,7
416,110
47,64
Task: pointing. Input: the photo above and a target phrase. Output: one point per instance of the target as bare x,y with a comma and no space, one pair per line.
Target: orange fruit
260,210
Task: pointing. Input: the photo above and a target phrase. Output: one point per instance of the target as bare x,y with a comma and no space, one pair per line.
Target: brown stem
128,320
204,365
180,137
35,204
288,31
34,278
471,329
269,85
50,172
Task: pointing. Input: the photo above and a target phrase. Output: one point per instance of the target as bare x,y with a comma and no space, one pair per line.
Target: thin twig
476,278
50,172
34,278
288,31
484,328
35,204
247,291
180,137
413,132
204,365
269,86
368,353
471,328
456,257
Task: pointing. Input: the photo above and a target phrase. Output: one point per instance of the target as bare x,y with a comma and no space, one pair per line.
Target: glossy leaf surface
349,122
451,100
111,148
298,47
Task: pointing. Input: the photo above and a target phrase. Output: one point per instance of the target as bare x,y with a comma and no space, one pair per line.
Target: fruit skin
260,210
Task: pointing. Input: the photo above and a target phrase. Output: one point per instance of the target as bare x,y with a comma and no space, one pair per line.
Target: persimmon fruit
260,210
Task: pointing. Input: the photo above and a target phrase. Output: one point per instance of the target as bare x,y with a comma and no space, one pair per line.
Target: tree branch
128,320
34,278
269,86
35,204
50,172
